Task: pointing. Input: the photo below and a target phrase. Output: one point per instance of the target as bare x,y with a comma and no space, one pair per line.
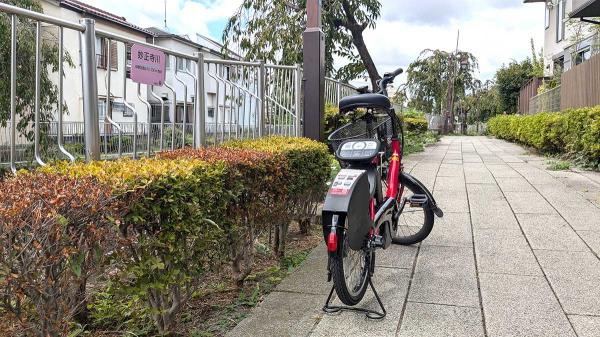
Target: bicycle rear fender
349,197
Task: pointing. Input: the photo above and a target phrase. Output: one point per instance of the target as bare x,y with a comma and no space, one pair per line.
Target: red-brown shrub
52,233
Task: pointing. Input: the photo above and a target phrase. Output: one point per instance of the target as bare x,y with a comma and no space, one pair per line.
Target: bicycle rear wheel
350,272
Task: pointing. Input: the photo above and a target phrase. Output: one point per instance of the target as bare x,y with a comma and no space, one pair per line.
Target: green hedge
188,211
575,132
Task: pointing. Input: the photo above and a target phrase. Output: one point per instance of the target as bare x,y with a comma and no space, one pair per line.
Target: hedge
575,132
187,211
51,228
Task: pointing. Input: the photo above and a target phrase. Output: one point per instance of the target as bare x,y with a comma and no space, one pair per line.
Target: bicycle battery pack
349,196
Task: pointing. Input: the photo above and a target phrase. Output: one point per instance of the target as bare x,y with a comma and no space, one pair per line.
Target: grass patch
558,165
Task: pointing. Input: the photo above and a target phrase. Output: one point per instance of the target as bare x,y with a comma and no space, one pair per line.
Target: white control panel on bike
358,149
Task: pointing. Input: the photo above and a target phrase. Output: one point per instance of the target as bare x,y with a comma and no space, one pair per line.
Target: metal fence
247,100
336,90
548,101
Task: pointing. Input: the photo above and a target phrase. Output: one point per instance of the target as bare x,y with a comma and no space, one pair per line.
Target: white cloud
494,32
183,16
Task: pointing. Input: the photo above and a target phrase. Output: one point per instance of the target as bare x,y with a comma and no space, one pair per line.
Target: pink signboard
147,65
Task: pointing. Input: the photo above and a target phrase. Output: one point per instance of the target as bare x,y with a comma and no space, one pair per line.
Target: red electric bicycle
371,203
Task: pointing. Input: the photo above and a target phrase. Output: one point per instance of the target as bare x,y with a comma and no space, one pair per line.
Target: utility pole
166,14
314,72
449,115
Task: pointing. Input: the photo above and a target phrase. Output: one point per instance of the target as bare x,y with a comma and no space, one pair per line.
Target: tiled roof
100,13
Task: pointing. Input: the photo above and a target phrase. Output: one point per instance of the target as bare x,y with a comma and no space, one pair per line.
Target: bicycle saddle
369,101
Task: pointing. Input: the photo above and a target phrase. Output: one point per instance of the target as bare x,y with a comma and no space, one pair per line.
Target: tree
509,79
26,70
271,31
483,103
430,75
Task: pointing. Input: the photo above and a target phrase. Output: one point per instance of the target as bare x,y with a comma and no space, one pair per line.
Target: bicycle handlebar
387,79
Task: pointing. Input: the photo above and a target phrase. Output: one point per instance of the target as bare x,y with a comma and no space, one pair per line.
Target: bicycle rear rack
372,314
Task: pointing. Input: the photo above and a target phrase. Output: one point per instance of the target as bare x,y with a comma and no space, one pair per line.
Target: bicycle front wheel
350,272
416,221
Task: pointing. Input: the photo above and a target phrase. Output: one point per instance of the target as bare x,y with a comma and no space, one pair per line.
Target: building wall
553,49
72,80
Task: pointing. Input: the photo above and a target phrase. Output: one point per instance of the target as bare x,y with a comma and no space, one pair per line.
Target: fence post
90,91
339,92
262,95
13,93
200,112
298,103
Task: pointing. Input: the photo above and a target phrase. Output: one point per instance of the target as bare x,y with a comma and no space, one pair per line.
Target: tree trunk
356,30
365,56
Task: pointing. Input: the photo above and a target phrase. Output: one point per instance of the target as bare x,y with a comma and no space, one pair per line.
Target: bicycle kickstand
372,314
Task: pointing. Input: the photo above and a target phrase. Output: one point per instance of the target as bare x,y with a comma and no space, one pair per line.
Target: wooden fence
527,92
581,85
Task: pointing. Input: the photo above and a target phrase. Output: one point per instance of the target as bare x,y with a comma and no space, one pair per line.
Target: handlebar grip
397,72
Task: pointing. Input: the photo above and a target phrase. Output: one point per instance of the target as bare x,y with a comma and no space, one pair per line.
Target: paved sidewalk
516,254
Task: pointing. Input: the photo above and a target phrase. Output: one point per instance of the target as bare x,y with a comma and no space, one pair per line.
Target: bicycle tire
349,296
428,219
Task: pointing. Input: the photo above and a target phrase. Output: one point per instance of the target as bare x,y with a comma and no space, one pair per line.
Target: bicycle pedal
417,200
378,241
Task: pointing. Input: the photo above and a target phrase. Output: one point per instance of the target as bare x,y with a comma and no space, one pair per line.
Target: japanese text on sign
147,65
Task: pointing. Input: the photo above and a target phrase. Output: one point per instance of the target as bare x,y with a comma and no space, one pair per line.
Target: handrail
162,116
195,78
185,91
38,66
61,51
9,9
174,106
149,107
109,105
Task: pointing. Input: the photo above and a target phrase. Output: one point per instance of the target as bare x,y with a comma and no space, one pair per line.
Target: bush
417,125
575,132
53,231
256,182
169,240
309,170
333,119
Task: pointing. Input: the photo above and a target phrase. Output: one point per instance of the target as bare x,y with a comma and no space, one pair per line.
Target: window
211,112
128,60
547,18
583,55
102,54
155,113
183,64
559,65
122,108
560,21
102,109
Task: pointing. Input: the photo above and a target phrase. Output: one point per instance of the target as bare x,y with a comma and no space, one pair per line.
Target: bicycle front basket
358,129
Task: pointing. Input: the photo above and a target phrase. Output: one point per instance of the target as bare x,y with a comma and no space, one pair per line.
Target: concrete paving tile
477,177
592,239
586,326
453,230
450,170
396,256
498,217
450,184
521,306
313,272
502,171
452,201
550,231
504,251
391,284
575,277
515,184
445,275
581,218
528,202
433,320
282,314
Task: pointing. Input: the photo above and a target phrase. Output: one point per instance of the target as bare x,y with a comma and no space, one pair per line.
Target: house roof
587,9
212,44
100,13
532,1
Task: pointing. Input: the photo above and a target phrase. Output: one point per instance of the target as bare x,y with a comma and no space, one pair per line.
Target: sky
495,31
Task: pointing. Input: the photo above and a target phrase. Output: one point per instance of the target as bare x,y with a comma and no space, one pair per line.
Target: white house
72,10
567,42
